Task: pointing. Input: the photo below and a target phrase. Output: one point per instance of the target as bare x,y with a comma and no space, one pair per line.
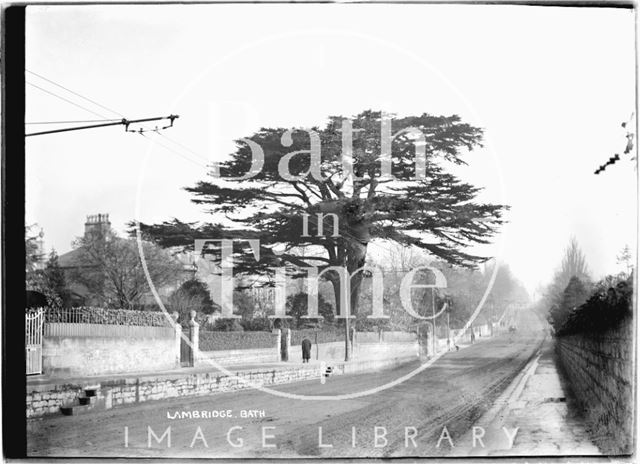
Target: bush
297,307
218,341
365,324
191,295
228,325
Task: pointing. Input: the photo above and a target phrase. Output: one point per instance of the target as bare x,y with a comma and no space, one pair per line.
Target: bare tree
111,269
34,255
625,258
573,264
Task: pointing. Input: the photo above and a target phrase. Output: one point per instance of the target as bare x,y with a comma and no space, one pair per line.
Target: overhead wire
73,122
66,100
82,96
182,146
140,131
74,93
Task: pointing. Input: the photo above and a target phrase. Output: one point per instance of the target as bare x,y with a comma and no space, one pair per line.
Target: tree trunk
347,342
355,258
355,244
337,288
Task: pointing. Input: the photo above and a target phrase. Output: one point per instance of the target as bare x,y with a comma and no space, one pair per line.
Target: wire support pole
124,122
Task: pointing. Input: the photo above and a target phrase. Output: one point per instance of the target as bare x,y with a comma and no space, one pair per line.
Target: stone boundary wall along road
600,369
47,398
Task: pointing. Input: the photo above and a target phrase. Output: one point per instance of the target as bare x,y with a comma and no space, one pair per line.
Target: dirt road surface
408,419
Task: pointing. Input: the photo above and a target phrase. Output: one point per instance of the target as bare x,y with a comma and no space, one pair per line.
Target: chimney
97,226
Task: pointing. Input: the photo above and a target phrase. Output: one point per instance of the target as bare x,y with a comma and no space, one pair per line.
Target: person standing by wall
306,350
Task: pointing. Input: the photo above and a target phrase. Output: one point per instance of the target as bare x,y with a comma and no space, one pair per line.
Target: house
97,227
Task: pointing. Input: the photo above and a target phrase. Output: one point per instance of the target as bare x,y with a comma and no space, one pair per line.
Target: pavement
40,382
36,381
533,417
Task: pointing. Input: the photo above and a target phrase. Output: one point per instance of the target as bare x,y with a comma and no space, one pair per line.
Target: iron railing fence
93,315
62,329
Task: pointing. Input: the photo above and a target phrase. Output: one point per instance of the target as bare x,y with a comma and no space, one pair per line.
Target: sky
550,87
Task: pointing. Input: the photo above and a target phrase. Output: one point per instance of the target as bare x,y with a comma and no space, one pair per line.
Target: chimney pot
97,223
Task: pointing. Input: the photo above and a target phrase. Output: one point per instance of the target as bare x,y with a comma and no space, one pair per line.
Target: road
408,419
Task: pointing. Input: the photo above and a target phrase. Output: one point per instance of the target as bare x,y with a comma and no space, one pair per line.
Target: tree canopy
49,282
191,295
409,200
55,280
573,296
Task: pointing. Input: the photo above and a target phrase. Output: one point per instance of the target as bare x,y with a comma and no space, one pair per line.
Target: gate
186,352
33,341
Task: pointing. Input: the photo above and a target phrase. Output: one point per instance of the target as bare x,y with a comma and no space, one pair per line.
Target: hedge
220,341
337,335
602,311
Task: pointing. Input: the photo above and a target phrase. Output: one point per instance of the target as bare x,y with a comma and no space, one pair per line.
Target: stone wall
47,398
233,357
95,355
328,352
599,367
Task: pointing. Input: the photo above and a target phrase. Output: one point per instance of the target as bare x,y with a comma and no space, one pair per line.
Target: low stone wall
328,352
45,399
233,357
48,399
600,369
399,336
369,337
96,355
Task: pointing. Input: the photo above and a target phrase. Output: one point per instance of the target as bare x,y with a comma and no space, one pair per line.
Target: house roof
73,258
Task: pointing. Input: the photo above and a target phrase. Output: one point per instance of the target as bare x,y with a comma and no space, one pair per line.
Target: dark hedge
602,311
324,336
219,341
